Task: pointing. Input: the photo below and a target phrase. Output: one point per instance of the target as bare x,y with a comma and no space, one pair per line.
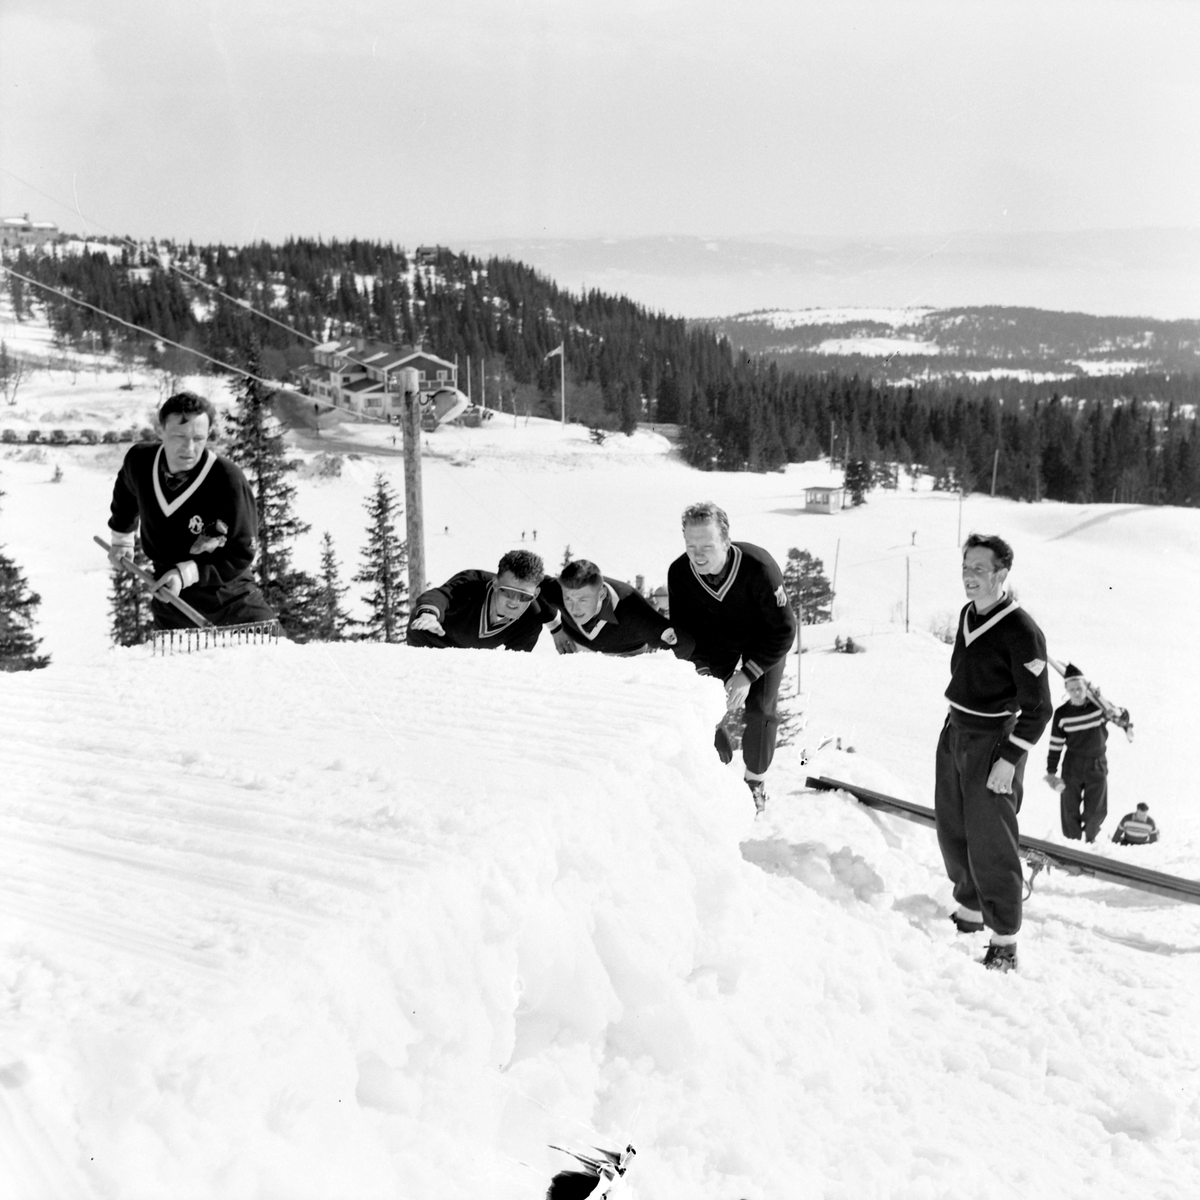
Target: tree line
1128,438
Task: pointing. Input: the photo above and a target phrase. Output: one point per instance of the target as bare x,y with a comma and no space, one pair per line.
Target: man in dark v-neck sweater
728,598
197,518
999,696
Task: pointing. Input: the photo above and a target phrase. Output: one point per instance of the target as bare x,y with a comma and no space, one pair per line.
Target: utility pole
995,466
414,508
907,576
799,648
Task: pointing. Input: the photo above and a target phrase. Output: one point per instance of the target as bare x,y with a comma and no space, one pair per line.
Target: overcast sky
456,119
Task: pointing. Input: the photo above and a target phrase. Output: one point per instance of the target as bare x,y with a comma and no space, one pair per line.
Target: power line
274,385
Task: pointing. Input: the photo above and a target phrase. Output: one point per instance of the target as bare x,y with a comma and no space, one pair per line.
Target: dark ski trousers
977,828
1084,800
762,719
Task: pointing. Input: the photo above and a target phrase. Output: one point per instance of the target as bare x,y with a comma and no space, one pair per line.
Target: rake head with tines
189,641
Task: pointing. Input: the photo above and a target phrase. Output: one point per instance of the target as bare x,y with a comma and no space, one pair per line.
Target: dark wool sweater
180,528
625,624
1080,729
743,614
462,605
997,672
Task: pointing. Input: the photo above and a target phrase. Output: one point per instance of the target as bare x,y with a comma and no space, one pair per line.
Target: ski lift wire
274,385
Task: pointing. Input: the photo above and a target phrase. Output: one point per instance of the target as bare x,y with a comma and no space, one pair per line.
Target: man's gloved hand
1054,782
121,547
171,581
670,637
428,623
563,642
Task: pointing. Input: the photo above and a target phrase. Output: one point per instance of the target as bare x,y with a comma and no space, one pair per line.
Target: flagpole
562,375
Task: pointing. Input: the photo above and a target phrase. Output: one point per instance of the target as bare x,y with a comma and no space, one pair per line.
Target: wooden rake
202,634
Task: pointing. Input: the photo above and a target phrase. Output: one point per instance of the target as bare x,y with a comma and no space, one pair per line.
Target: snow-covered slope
363,921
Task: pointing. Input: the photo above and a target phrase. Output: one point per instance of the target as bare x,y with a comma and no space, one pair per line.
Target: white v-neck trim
969,635
590,634
486,628
721,592
170,508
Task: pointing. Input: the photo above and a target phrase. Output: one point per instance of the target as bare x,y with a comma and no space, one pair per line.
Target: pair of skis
1118,716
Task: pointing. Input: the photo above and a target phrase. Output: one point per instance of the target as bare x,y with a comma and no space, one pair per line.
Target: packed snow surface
359,921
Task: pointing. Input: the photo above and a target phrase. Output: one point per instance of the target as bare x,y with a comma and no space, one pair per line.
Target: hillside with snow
362,921
919,342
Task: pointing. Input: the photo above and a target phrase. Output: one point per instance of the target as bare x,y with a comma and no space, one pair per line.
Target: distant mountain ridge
1110,271
906,343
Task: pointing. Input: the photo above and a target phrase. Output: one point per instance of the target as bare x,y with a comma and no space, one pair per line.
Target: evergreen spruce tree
330,619
18,646
128,604
257,447
858,480
807,588
385,559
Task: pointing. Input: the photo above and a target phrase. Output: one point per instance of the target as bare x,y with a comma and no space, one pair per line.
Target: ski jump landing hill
365,921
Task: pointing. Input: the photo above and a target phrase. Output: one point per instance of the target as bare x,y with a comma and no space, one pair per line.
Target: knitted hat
1143,807
1072,672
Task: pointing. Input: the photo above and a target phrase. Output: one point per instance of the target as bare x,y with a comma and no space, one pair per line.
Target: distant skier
729,598
1136,828
605,615
482,610
197,516
1080,729
999,698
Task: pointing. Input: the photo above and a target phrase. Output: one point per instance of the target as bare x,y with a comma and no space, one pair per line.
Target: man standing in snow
1080,729
605,615
728,598
999,697
198,520
482,610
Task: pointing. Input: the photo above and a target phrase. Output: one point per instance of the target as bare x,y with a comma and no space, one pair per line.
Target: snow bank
366,921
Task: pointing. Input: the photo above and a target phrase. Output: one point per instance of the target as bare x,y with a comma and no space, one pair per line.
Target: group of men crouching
728,615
